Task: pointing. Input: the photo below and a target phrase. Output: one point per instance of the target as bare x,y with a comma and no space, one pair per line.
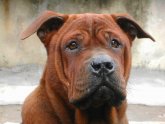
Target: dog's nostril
96,66
102,67
108,65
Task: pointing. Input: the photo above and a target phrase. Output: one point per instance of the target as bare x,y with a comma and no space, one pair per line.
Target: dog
87,69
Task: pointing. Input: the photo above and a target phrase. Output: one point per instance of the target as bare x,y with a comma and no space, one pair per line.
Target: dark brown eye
72,45
115,43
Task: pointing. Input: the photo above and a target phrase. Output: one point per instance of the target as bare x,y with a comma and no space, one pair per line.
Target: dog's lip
89,93
85,101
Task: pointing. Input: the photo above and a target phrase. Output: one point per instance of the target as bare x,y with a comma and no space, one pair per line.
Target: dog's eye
115,43
72,45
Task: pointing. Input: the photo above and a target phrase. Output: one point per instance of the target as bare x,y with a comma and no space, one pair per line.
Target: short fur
52,102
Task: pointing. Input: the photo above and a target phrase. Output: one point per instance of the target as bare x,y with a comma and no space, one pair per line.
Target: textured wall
15,15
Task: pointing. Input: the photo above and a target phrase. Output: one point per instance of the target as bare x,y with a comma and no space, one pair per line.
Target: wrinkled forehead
90,22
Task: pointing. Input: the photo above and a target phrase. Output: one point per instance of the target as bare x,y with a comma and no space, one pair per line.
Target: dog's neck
92,116
102,115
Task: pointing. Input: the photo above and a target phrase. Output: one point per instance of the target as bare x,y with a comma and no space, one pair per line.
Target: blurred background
16,15
22,62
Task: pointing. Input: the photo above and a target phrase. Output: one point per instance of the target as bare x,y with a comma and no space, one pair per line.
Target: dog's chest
96,121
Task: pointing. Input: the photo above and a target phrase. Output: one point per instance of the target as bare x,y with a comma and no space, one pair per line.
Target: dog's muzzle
104,84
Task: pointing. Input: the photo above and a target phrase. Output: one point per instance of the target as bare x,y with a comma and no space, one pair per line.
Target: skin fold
87,69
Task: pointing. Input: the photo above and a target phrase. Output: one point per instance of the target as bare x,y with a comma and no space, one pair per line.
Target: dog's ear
132,29
46,23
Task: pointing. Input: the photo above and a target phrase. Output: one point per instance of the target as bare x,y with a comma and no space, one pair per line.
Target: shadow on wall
17,14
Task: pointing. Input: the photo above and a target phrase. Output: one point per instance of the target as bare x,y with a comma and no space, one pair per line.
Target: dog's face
93,55
92,52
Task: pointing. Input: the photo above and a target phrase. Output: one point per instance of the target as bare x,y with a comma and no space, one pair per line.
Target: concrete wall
15,15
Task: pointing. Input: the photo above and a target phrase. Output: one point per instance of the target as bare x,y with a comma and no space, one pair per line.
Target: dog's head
89,54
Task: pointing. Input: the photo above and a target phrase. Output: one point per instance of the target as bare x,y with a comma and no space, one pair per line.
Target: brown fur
49,103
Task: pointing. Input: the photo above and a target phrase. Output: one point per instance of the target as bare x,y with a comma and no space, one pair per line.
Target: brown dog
85,78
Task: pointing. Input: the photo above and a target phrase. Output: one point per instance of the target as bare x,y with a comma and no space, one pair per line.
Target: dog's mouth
99,96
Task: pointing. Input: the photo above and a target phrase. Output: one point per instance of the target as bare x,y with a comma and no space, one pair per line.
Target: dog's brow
89,20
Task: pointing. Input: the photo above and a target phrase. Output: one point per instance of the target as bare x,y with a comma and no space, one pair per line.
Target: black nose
102,64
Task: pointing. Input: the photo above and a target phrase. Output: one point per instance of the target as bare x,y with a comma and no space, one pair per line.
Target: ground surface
137,113
153,110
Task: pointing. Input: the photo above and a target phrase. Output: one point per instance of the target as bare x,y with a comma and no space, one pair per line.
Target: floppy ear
46,23
128,25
